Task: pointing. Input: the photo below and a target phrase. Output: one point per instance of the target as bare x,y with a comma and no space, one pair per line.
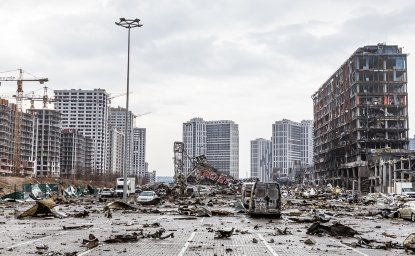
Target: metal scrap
78,226
336,229
221,234
91,242
42,208
126,238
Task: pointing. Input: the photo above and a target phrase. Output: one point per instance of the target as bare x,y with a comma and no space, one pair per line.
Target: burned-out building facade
361,119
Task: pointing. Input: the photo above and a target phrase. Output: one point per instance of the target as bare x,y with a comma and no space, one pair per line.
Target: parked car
407,211
107,192
148,197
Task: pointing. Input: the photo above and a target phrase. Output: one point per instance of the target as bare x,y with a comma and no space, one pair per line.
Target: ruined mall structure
361,122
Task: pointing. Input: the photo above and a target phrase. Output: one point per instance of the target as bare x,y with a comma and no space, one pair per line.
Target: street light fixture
128,24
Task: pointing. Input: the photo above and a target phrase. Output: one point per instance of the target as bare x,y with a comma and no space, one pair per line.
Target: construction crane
143,114
45,98
18,115
116,96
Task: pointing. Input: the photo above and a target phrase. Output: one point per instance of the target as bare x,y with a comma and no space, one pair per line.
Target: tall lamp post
128,24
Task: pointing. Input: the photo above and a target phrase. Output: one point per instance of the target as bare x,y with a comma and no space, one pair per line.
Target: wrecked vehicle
407,211
107,192
148,197
265,200
246,191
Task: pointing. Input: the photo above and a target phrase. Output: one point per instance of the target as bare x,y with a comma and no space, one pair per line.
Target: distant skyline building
139,152
412,143
261,159
117,120
194,139
87,111
116,151
222,140
217,140
292,143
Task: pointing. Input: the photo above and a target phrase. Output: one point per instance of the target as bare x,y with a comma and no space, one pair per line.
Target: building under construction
361,121
75,153
48,142
7,140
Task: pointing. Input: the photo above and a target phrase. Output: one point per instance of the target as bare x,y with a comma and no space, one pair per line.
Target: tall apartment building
48,142
360,112
261,159
222,141
116,151
307,142
75,153
412,143
87,112
217,140
194,139
292,145
139,152
117,120
7,139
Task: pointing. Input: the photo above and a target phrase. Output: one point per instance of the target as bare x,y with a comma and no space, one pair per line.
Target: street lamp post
128,24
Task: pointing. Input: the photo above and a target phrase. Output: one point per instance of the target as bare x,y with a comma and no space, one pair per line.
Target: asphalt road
192,236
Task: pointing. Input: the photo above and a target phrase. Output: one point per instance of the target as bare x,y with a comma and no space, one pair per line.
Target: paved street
192,236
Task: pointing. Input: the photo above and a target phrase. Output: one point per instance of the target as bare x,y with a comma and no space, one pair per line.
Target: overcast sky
253,62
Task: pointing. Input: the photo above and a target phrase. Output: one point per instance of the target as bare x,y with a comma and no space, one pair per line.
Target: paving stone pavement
191,236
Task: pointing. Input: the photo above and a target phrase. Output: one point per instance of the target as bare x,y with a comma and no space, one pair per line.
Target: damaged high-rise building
361,120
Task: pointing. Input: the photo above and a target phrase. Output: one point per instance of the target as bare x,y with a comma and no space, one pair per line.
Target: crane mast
18,125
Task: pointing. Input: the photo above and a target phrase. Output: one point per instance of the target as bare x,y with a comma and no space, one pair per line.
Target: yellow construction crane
18,115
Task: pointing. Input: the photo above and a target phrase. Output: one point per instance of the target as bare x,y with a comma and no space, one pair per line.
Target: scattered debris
108,213
159,234
82,214
310,241
389,235
91,242
42,208
278,231
336,229
126,238
78,227
119,205
220,234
